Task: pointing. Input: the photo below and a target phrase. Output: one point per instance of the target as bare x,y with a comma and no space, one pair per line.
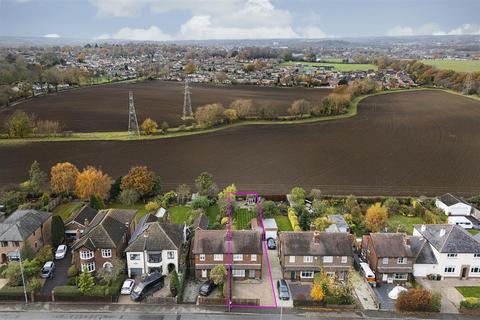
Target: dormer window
402,260
451,255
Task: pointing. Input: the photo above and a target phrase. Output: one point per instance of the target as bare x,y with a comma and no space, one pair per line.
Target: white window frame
402,260
327,259
90,266
385,260
452,255
238,273
475,269
218,257
400,276
306,274
445,270
134,254
106,253
307,259
201,257
253,257
170,255
238,257
85,255
291,259
331,274
344,259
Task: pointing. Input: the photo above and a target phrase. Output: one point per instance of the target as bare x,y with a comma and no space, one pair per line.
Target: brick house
75,225
22,227
210,248
302,254
104,239
389,255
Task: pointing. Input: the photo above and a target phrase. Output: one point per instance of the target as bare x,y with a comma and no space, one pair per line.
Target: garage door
135,272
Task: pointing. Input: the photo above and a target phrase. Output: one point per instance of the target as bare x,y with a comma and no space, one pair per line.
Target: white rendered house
453,206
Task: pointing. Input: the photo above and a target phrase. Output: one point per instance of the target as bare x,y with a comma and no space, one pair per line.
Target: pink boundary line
264,246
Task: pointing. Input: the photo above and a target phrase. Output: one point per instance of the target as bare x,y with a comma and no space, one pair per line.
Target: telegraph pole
132,117
23,276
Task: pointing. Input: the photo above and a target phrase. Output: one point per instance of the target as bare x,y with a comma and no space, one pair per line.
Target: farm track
408,143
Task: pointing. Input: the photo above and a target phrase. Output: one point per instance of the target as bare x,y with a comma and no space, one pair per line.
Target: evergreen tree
86,282
174,283
304,221
58,231
96,202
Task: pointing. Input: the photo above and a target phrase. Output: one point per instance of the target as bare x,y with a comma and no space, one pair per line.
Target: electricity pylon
187,103
132,117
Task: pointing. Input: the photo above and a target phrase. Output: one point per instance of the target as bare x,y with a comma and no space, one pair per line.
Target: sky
170,20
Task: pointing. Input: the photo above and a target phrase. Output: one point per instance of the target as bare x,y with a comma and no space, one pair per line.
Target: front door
251,273
293,276
464,272
384,277
204,273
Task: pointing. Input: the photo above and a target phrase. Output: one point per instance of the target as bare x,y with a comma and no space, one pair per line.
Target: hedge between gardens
14,293
99,293
292,217
470,303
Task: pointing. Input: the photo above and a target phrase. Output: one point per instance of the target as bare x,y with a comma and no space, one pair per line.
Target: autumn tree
244,107
19,125
63,177
149,127
218,274
92,181
376,217
210,115
300,107
317,293
190,67
139,178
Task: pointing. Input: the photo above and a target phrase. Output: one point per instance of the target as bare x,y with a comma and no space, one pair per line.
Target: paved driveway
60,276
363,291
384,302
276,270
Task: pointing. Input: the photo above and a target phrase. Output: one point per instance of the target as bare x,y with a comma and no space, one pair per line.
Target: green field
407,222
456,65
473,291
283,223
243,217
179,214
337,66
65,210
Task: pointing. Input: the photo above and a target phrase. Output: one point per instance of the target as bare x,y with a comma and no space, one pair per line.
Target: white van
460,221
367,273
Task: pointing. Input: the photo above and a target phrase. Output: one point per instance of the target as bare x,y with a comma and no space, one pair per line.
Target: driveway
450,296
276,270
384,302
364,292
60,277
190,293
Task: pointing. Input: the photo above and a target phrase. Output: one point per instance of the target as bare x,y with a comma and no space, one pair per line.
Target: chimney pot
77,234
423,227
86,222
316,237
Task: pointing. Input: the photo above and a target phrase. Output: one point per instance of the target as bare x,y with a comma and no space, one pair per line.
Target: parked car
206,288
282,287
149,285
271,244
61,252
48,270
127,286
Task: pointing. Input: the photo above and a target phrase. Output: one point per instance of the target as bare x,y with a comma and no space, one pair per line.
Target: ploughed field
105,108
409,143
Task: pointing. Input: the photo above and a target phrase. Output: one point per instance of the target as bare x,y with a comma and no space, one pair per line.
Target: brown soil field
105,108
410,143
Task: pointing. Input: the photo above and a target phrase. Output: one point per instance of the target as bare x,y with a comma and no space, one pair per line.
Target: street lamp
23,276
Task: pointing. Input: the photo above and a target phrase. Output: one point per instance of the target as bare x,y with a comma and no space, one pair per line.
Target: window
327,259
475,269
238,257
451,255
106,253
331,274
306,274
402,260
108,266
401,276
4,243
292,259
238,273
84,254
201,257
307,259
16,243
36,244
218,257
134,256
253,257
476,255
449,269
170,254
90,267
154,257
344,259
385,260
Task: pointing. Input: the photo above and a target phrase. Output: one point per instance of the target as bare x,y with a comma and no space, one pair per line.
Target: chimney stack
86,222
442,232
312,227
316,237
77,234
423,228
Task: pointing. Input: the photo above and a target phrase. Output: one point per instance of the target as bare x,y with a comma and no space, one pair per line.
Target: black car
207,288
149,285
271,244
282,287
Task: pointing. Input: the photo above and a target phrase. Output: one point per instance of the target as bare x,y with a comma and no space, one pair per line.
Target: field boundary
176,133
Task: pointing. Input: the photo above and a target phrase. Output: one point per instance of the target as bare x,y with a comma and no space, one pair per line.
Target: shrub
86,282
96,202
210,115
67,291
35,284
129,196
152,206
45,254
149,127
470,303
200,202
72,271
19,125
417,300
317,293
300,107
174,283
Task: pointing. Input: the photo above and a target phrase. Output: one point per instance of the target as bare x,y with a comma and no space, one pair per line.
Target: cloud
151,34
433,29
51,35
311,32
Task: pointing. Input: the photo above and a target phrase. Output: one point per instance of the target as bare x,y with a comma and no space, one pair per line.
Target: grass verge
473,291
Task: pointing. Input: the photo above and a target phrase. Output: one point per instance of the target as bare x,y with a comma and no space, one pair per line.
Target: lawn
346,67
65,210
473,291
456,65
140,207
243,217
407,222
473,232
283,223
179,214
212,213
